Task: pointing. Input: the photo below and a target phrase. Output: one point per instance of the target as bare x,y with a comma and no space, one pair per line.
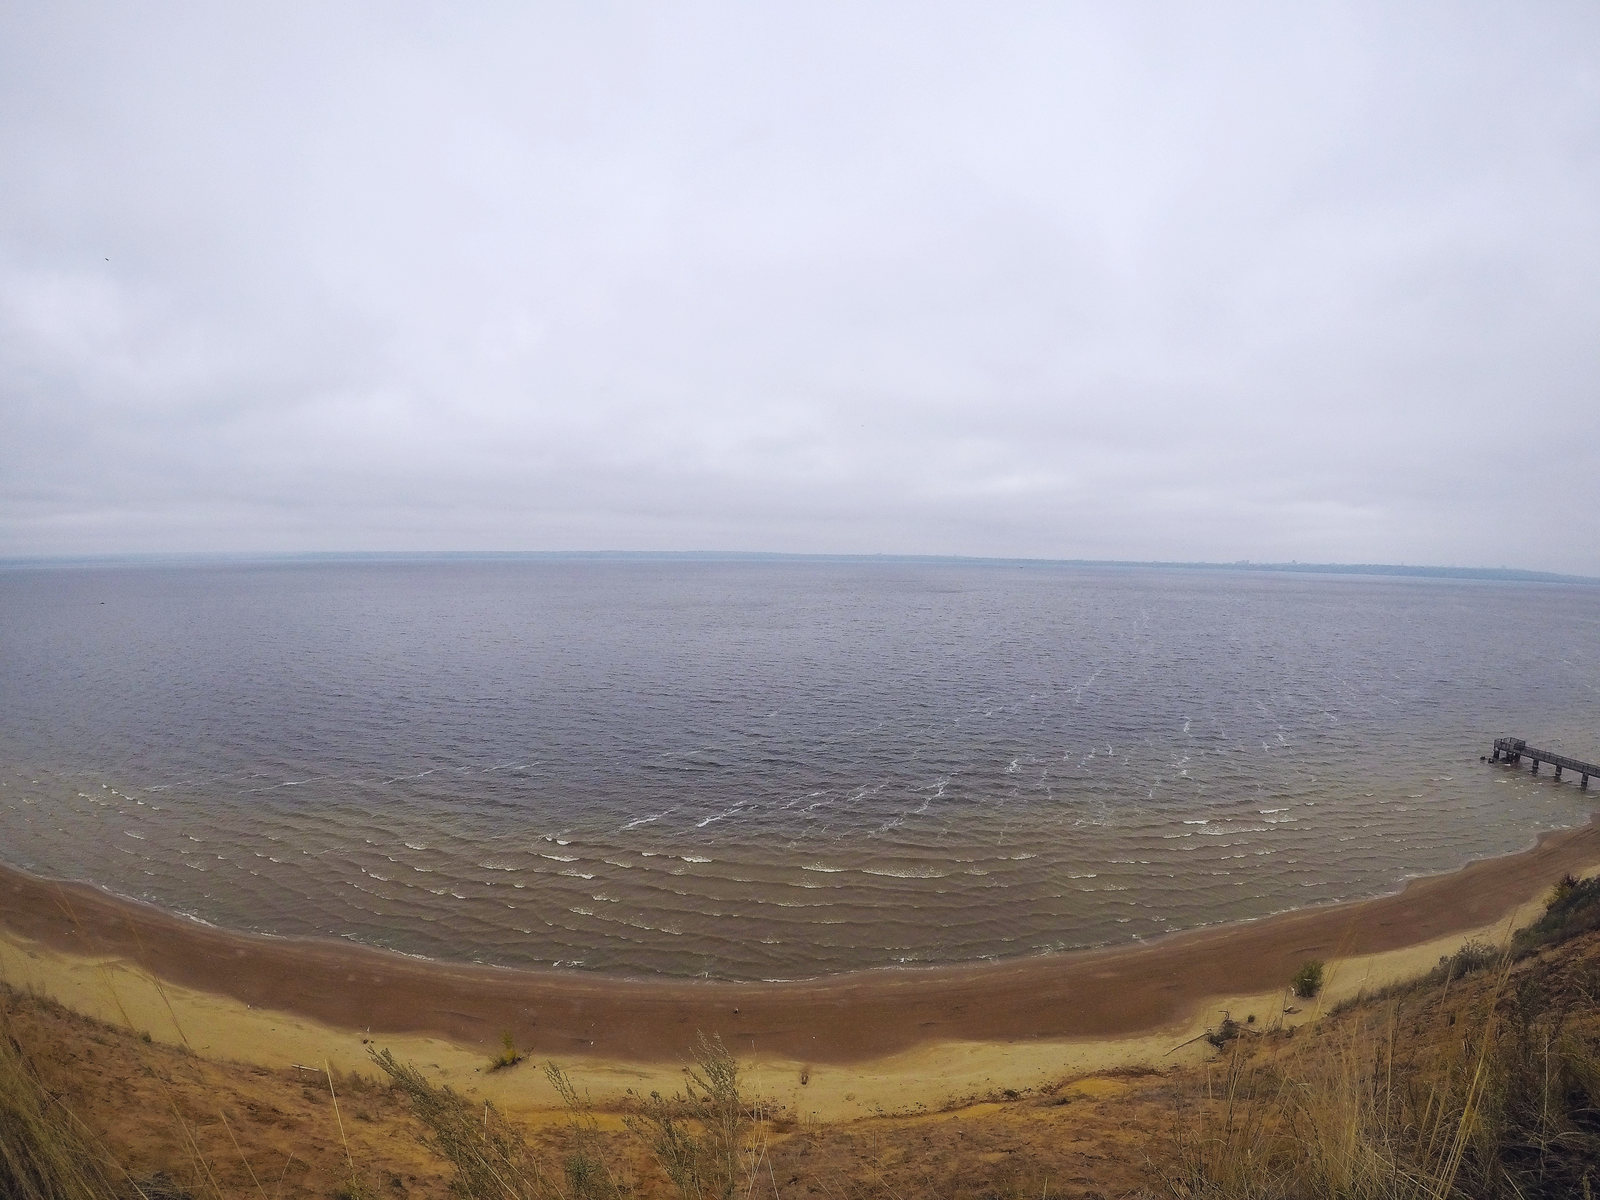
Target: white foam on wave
415,845
694,858
820,867
907,873
638,821
560,857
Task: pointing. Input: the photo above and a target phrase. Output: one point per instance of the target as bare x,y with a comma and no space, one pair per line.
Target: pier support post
1585,782
1536,766
1558,772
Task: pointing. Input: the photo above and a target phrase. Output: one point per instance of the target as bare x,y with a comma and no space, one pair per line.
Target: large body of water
765,770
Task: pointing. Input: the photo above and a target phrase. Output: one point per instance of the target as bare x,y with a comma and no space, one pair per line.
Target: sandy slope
229,1129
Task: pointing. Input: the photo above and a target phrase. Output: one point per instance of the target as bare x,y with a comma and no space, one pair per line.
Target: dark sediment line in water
378,557
1099,993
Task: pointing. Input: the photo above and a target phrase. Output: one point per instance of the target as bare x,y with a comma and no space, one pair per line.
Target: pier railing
1514,750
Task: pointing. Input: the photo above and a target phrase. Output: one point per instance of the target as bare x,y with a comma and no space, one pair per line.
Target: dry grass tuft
46,1153
709,1140
589,1174
491,1159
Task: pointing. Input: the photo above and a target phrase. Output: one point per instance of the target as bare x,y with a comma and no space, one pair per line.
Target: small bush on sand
508,1056
1224,1033
1307,981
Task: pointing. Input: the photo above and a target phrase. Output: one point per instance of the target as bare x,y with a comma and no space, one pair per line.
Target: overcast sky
1175,281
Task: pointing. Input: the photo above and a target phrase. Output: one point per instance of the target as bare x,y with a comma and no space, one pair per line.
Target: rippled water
770,769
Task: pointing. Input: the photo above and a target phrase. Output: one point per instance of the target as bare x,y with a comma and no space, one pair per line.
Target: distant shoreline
1092,994
1379,570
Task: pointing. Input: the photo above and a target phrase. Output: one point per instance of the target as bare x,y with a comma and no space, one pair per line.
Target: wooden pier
1514,750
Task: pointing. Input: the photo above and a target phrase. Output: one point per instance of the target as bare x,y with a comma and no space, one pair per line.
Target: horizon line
196,557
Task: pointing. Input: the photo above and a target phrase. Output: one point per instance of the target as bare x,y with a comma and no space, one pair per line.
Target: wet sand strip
840,1019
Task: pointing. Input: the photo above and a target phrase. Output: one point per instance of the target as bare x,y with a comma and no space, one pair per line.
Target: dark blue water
770,769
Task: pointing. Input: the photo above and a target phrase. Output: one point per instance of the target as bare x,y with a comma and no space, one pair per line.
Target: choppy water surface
770,769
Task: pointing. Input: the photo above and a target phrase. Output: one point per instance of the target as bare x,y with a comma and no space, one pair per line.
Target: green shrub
1561,891
1574,908
508,1056
1307,981
1472,957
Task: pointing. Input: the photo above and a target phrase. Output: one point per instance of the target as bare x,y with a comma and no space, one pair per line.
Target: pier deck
1514,750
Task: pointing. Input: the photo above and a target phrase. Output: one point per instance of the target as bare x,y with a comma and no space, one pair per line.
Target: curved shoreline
1105,993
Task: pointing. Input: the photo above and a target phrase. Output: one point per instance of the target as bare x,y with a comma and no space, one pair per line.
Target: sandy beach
891,1040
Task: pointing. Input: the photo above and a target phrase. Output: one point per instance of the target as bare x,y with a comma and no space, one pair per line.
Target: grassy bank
1481,1079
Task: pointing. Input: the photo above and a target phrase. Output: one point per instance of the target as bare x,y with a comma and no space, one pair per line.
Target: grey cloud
1113,281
